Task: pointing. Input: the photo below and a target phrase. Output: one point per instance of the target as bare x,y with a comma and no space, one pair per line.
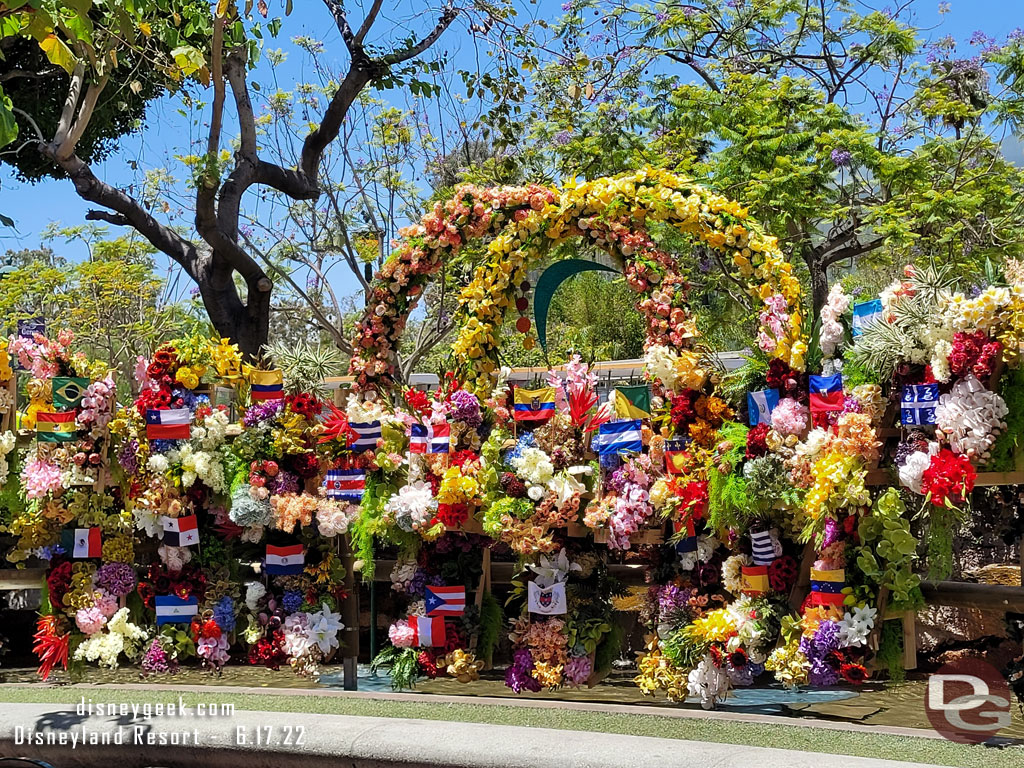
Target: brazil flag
67,392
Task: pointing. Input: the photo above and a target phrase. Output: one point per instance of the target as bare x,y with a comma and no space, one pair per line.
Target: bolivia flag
171,609
88,543
428,631
534,404
266,385
180,531
169,424
633,402
285,561
55,427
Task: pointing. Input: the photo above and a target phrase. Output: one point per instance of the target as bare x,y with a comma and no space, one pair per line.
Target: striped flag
171,609
345,484
760,406
285,561
534,404
620,437
180,531
676,455
445,601
368,433
266,385
429,438
88,543
763,547
428,631
826,393
827,586
864,314
169,424
55,427
755,579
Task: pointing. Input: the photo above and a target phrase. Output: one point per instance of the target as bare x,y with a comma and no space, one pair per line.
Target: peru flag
428,631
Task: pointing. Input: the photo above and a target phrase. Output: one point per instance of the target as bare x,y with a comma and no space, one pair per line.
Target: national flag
68,392
345,484
763,547
865,313
826,393
367,435
534,404
88,543
688,543
181,531
760,406
55,427
285,561
633,402
676,455
429,438
171,609
827,586
547,601
620,437
917,406
755,579
428,631
445,601
266,385
169,424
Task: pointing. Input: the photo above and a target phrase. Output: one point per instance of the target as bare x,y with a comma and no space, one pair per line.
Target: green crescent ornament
548,283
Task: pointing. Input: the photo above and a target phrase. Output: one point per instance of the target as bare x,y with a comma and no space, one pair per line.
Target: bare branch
371,16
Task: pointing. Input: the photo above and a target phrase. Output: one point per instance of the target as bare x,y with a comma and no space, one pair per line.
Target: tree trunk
246,324
819,288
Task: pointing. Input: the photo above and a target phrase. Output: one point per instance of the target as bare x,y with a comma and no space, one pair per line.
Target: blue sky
34,207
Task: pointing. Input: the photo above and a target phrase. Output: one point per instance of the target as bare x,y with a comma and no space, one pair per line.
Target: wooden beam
993,597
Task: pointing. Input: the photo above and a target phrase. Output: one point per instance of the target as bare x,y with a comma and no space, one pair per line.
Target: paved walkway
282,740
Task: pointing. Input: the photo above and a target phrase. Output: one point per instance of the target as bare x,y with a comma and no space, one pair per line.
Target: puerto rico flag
445,601
429,438
169,424
826,393
345,484
171,609
180,531
368,432
266,385
534,404
285,561
88,543
428,631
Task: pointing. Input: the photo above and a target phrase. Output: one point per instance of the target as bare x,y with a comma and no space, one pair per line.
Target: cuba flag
367,435
760,406
445,601
285,561
826,393
171,609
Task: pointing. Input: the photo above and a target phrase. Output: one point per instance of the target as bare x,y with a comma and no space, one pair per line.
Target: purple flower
224,614
128,457
562,138
291,601
841,157
466,408
577,670
116,578
261,412
517,676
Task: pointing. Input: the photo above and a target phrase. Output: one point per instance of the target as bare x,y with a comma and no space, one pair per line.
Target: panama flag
760,406
428,631
55,427
285,561
445,601
429,438
180,531
169,424
88,543
826,393
345,484
368,432
171,609
266,385
620,437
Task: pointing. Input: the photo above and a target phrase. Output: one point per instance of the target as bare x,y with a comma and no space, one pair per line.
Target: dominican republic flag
180,531
345,484
445,601
826,393
620,437
266,385
763,545
865,313
55,427
428,631
760,406
827,587
171,609
368,433
676,455
917,406
285,561
429,438
755,579
534,404
169,424
688,543
88,543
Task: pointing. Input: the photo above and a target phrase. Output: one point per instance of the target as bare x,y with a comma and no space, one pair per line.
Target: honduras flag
761,404
620,437
865,313
171,609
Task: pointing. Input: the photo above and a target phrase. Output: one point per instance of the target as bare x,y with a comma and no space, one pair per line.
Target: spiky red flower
51,645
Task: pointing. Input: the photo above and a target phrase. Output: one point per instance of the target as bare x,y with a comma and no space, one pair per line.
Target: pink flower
790,417
401,634
90,620
39,478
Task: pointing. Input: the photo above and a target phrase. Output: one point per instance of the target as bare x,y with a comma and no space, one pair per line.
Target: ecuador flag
534,404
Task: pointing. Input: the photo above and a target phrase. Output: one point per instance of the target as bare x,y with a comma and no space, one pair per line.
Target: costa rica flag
169,424
445,601
285,561
428,631
826,393
345,484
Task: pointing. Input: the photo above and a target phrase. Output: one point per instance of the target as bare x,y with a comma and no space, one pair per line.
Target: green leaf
8,125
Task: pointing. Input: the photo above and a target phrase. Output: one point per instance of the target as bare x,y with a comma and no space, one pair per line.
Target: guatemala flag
760,405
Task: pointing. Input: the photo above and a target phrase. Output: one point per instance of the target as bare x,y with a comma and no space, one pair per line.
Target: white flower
324,626
854,628
732,573
254,590
534,466
535,492
158,464
553,570
413,507
970,417
148,520
913,468
708,682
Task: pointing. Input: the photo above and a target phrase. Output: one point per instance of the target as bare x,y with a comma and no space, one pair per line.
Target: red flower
782,574
452,515
738,659
949,478
304,404
58,582
854,673
427,664
51,645
683,413
756,441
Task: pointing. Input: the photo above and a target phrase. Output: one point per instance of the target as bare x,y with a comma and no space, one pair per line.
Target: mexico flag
88,543
428,631
55,427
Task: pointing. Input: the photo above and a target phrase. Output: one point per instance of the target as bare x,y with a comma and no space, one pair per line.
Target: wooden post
482,585
349,615
803,579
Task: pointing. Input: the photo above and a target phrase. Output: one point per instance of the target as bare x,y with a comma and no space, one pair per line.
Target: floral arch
520,225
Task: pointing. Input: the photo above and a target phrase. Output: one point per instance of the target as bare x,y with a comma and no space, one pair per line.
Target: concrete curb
255,740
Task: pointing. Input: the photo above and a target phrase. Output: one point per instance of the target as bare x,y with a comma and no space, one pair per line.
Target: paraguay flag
620,437
826,393
88,543
180,531
534,404
445,601
345,484
285,561
266,385
169,424
429,438
428,631
55,427
368,433
171,609
827,586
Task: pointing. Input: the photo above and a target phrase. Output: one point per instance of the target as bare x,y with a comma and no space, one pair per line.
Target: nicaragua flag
428,631
864,314
88,543
285,561
620,437
169,424
760,406
445,601
826,393
266,385
429,438
345,484
917,405
534,404
180,531
368,433
171,609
